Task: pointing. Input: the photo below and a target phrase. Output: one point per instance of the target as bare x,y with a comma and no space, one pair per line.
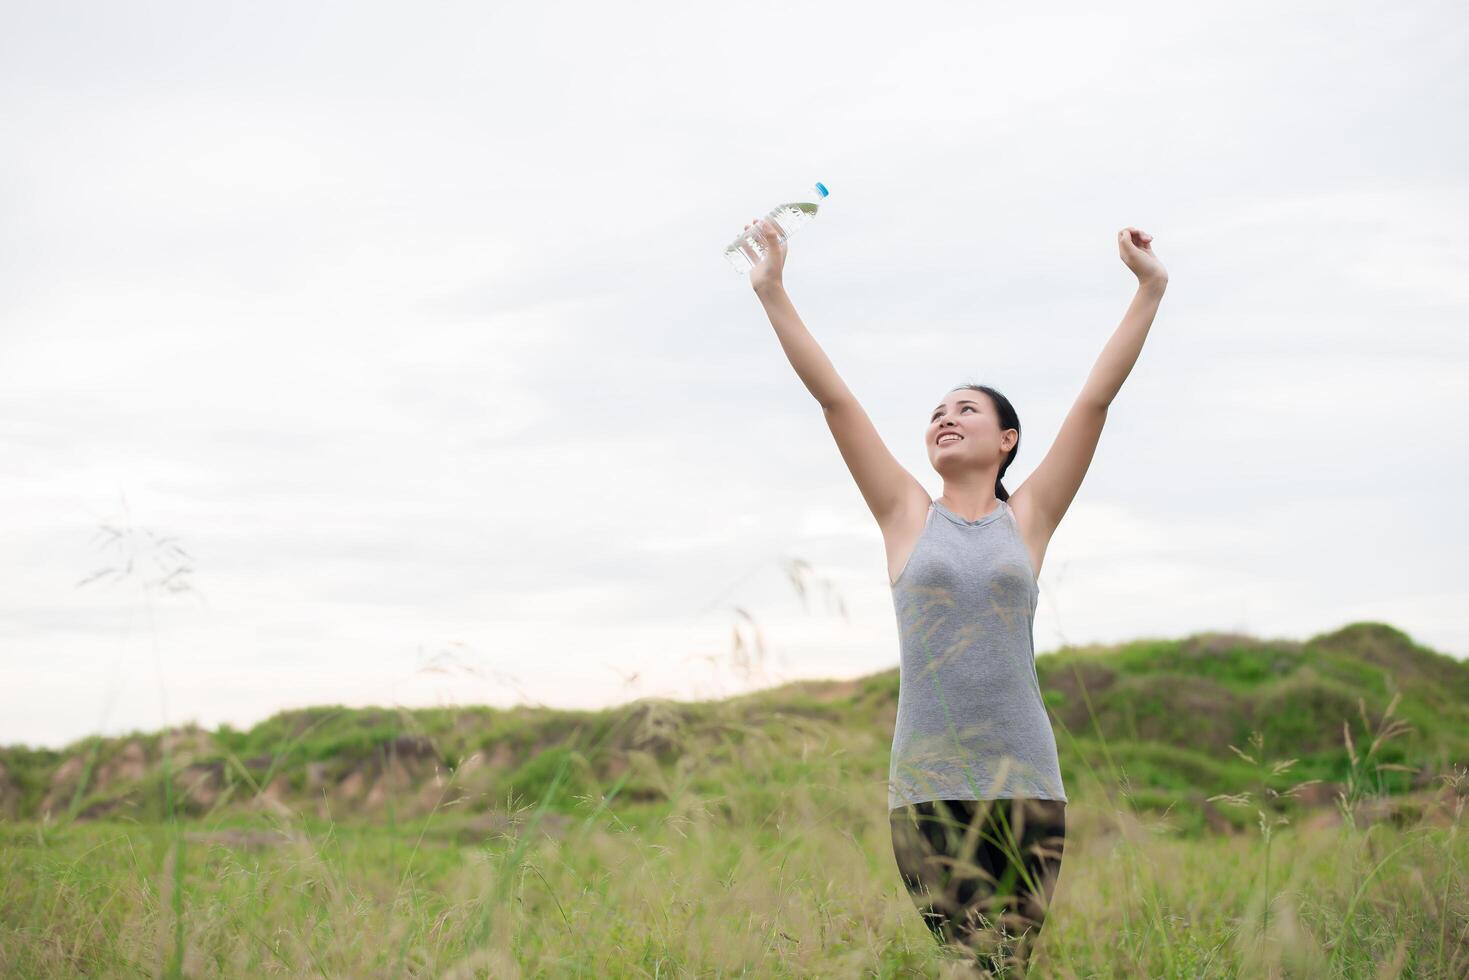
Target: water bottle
745,251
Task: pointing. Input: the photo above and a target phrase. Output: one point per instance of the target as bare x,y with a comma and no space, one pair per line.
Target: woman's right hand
771,266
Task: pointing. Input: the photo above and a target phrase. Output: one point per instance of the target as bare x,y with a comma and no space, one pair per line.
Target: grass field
805,889
749,837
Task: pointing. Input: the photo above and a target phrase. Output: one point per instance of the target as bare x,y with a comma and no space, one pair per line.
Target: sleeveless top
971,721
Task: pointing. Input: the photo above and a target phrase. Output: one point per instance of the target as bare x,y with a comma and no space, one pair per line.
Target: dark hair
1008,420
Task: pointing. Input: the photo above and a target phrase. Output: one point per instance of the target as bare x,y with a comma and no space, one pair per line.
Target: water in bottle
745,251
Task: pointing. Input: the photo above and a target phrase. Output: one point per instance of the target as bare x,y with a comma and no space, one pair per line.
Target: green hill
1167,723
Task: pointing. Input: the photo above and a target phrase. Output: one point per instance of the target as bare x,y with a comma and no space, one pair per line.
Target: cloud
418,331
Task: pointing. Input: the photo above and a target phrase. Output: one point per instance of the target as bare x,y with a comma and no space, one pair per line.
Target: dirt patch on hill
1078,676
655,725
186,745
200,786
127,764
405,770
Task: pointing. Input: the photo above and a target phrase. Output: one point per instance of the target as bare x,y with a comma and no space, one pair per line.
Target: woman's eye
969,407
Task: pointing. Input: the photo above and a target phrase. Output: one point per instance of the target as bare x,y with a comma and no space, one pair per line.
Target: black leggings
982,872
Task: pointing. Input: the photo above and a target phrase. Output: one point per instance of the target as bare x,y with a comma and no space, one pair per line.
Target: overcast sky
409,324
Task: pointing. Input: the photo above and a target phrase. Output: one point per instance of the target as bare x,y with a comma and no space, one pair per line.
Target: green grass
749,837
774,861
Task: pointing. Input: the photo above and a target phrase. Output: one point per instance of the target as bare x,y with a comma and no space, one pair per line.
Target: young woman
975,799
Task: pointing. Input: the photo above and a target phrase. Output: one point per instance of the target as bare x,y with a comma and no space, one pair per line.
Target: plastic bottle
745,251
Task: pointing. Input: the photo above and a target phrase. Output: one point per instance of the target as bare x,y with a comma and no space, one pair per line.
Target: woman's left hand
1136,249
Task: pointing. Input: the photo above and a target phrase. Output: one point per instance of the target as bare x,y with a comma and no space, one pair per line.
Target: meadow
1239,808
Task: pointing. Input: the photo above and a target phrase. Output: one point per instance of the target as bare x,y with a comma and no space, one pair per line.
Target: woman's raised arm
1051,487
806,356
884,484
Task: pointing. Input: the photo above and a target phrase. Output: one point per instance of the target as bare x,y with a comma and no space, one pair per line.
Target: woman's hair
1008,420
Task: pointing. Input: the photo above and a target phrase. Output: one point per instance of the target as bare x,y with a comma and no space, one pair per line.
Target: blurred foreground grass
809,891
766,854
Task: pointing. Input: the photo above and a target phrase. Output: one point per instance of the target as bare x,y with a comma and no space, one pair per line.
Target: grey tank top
971,721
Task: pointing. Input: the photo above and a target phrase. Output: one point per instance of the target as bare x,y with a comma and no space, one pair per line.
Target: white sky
410,324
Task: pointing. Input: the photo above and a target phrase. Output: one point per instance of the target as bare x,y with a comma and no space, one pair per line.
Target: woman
976,803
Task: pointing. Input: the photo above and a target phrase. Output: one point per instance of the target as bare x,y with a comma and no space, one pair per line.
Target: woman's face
970,416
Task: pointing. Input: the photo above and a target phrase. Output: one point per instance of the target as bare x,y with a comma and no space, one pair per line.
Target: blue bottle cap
822,188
